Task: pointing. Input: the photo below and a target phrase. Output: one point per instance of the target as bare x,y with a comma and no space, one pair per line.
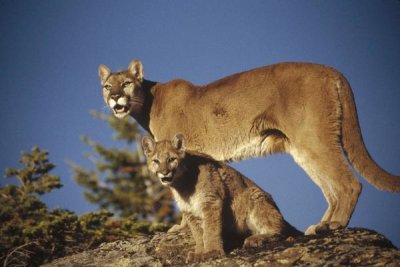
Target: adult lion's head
122,90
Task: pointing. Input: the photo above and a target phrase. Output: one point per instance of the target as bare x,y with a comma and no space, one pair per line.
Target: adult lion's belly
222,132
221,144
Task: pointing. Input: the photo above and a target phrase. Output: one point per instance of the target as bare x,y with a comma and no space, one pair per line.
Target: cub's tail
354,146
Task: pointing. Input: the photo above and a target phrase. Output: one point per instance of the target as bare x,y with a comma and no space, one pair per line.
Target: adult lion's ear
148,145
179,142
136,69
104,73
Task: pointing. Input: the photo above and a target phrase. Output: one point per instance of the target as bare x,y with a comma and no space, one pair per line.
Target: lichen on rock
346,247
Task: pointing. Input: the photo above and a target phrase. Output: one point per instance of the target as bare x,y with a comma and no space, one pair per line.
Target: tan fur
306,110
214,198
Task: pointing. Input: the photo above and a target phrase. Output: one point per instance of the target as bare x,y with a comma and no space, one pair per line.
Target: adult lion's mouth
120,107
121,111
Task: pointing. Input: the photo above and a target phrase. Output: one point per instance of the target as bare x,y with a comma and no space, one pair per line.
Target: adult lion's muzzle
120,106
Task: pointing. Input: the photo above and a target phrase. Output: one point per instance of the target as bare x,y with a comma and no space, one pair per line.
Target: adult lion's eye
127,83
156,161
107,87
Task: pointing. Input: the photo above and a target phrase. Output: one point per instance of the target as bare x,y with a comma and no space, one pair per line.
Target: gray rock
347,247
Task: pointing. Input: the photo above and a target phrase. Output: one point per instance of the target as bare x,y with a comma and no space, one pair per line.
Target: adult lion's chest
178,115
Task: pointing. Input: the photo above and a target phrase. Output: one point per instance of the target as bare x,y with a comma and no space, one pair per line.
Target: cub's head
164,158
122,90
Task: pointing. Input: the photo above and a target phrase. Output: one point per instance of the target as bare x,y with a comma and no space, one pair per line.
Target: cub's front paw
175,228
193,257
212,254
256,241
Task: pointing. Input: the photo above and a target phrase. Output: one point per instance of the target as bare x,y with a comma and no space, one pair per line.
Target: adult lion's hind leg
328,168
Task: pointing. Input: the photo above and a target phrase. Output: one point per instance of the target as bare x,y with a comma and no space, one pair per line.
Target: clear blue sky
50,52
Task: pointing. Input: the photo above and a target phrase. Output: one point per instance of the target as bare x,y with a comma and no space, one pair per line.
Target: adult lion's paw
323,227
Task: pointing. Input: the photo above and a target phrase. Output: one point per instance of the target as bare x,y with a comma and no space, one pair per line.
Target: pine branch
25,254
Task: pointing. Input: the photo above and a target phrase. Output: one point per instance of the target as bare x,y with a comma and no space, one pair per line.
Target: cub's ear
179,142
148,145
136,69
104,73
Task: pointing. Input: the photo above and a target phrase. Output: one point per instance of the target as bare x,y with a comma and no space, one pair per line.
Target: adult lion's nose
115,96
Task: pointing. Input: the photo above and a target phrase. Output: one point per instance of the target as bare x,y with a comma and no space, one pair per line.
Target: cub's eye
107,87
156,161
171,160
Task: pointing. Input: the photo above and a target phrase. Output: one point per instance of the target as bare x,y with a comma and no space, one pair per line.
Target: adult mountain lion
306,110
219,204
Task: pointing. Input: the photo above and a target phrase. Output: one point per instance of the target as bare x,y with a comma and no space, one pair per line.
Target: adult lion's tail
354,146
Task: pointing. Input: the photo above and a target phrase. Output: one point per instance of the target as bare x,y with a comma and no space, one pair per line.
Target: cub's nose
165,173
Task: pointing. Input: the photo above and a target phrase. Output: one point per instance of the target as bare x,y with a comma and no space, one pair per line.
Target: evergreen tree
31,235
120,181
22,214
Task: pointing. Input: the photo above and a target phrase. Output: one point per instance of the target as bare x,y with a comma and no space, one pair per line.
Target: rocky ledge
348,247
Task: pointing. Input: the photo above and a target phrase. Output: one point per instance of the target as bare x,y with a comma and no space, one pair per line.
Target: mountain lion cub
304,109
216,200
